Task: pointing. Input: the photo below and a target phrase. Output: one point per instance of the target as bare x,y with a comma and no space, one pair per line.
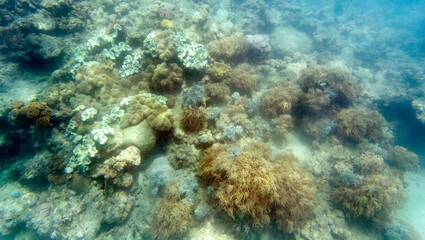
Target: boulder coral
146,106
247,183
165,77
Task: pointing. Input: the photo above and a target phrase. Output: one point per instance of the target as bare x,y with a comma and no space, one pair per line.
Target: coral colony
190,120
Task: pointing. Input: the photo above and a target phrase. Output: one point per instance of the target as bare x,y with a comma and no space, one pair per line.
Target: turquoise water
212,119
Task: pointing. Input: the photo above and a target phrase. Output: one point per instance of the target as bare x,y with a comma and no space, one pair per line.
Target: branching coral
172,216
316,101
243,79
231,48
357,124
247,183
193,119
281,99
166,77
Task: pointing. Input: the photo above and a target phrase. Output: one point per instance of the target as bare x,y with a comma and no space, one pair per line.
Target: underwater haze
209,119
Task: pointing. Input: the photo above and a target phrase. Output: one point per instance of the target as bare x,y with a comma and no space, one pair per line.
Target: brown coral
357,124
90,79
172,216
165,45
161,119
146,106
231,48
34,113
281,99
193,119
166,77
243,79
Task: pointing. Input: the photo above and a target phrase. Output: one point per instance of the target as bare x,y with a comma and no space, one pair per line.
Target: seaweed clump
326,87
373,200
193,119
247,183
243,79
402,159
232,48
172,216
358,124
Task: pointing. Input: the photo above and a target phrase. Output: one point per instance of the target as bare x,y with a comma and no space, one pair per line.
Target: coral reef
172,215
358,124
193,119
243,79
